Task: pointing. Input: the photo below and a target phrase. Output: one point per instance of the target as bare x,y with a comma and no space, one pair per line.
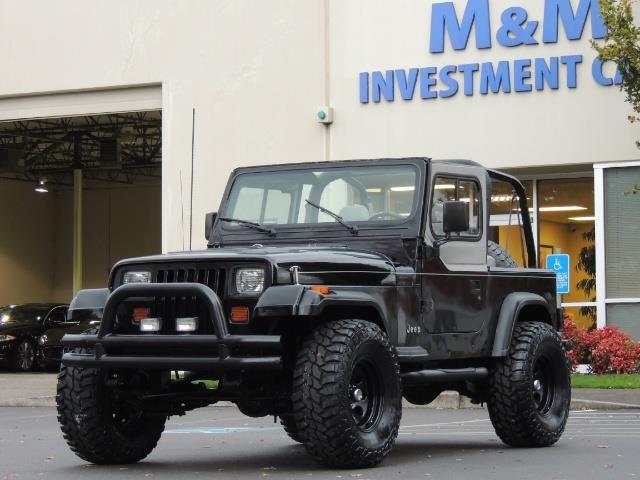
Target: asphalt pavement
218,442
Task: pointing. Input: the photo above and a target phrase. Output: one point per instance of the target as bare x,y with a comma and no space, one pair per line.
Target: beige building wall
26,246
255,72
252,70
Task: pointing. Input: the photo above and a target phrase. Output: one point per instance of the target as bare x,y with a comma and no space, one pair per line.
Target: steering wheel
381,215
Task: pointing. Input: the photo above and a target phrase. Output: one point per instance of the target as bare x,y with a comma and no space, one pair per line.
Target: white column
598,188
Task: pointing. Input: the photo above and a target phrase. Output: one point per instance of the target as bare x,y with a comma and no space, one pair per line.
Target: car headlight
6,338
249,280
136,277
42,340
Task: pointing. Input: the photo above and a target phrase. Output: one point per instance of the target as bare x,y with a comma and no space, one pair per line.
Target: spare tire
500,255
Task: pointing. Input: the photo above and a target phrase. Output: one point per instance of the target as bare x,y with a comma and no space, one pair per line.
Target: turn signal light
320,289
139,313
240,314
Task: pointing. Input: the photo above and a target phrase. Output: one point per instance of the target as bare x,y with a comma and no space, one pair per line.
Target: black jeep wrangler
328,292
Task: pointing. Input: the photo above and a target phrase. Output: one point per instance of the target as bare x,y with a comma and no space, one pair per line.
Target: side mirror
455,217
209,220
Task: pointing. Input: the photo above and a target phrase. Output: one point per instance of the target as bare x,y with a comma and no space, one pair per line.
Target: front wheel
347,394
530,389
24,356
99,427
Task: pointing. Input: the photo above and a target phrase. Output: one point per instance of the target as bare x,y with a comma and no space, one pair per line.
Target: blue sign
515,29
559,263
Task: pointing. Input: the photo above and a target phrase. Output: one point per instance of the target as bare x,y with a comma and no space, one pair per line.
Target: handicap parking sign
559,263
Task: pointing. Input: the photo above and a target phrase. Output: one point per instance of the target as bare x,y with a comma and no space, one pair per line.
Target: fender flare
508,316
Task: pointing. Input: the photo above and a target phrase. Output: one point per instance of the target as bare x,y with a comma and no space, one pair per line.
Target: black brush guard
220,352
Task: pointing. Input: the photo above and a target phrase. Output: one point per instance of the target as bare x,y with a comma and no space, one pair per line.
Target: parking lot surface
218,442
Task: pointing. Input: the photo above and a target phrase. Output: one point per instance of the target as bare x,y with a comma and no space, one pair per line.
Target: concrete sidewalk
38,390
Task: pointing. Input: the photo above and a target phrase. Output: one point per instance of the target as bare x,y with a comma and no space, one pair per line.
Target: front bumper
221,352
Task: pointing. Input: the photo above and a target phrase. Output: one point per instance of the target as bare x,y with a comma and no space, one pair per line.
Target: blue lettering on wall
599,76
468,70
364,87
444,17
516,28
547,73
427,81
407,85
571,61
495,80
449,81
521,74
573,23
382,85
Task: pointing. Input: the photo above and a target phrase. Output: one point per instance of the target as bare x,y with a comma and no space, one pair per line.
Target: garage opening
77,193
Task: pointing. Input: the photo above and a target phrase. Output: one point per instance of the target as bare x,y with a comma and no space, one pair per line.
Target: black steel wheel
98,426
347,394
530,389
24,356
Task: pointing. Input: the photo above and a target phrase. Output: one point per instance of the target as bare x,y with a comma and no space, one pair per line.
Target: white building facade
512,85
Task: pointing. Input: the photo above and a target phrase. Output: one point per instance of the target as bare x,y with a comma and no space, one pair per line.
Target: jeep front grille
205,276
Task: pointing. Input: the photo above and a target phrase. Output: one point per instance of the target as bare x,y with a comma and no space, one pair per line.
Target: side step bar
445,375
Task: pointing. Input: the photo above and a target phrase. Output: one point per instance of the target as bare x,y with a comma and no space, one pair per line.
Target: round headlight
249,280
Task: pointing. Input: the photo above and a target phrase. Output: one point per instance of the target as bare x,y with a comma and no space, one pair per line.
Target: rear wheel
99,427
347,394
530,389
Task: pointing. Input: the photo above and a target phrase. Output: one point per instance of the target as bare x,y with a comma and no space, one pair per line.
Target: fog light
187,324
150,324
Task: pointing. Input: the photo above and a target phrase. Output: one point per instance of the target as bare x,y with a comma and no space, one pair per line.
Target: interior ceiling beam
53,146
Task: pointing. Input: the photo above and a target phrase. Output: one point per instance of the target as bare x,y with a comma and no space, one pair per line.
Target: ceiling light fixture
41,186
582,219
402,189
568,208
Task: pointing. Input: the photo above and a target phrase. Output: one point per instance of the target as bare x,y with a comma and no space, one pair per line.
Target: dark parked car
80,319
20,328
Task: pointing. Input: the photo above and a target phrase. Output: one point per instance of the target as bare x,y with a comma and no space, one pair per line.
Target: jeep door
454,282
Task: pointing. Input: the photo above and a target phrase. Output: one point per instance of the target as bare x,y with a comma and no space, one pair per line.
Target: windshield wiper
352,228
254,225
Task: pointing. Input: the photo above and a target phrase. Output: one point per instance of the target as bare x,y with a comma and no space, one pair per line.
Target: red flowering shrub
607,350
579,353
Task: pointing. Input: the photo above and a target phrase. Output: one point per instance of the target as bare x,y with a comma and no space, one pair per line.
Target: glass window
505,221
356,194
567,225
447,189
622,232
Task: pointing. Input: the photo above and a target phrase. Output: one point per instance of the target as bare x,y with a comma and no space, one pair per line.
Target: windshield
363,194
22,314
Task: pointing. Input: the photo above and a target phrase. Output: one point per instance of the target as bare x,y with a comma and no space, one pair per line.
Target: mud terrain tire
94,430
347,394
530,389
